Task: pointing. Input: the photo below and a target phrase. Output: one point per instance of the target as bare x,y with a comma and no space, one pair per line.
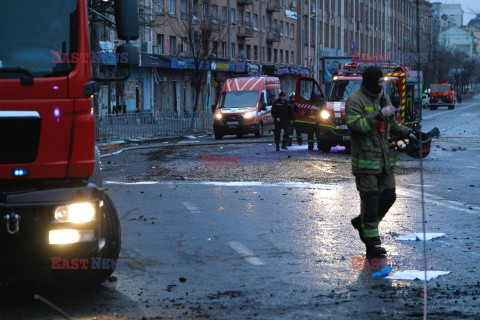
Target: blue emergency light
20,172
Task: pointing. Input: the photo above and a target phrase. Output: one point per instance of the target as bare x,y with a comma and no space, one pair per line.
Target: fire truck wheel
451,107
433,107
259,132
111,250
239,135
348,148
218,136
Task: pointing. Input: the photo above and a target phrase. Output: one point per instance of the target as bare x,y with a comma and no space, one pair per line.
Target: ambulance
245,106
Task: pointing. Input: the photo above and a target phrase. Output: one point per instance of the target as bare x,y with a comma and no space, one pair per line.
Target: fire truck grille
233,117
19,138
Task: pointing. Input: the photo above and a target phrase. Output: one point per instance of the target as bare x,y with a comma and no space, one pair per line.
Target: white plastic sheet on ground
419,236
416,275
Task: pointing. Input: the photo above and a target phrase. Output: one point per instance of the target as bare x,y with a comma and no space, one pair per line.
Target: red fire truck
441,95
327,118
52,204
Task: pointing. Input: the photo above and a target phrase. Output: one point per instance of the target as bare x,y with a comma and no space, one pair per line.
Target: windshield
239,99
341,89
440,88
33,36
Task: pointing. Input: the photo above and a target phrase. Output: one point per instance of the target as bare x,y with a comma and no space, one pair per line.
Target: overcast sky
467,5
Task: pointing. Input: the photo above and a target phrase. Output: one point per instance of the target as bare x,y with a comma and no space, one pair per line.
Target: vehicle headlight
70,236
218,116
325,114
75,213
249,115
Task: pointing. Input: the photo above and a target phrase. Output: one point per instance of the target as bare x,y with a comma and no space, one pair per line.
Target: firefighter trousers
377,195
278,128
298,134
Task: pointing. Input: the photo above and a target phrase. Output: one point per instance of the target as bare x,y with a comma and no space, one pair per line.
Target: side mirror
126,19
396,101
214,107
129,56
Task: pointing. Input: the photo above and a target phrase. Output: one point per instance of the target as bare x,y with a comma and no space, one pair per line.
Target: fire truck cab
327,118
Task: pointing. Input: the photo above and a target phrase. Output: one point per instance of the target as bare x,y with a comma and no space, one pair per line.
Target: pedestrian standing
282,115
371,121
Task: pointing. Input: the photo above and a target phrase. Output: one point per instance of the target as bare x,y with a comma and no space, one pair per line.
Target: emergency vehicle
327,118
52,203
245,106
441,95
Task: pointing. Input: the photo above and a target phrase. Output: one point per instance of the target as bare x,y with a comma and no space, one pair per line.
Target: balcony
244,32
244,2
273,6
273,36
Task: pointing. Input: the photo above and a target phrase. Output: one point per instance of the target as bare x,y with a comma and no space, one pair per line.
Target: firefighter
299,135
282,115
370,119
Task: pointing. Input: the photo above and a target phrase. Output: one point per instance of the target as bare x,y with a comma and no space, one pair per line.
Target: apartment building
285,38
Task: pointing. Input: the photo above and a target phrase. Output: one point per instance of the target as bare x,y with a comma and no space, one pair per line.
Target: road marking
132,183
191,207
246,253
170,185
419,185
279,184
430,198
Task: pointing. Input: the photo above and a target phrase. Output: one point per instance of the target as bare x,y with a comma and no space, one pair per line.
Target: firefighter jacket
284,111
371,149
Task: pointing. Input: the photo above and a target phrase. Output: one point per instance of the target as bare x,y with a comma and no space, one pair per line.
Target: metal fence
149,125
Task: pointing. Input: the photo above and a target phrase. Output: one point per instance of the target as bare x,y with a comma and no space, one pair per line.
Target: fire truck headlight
249,115
70,236
75,213
218,116
325,114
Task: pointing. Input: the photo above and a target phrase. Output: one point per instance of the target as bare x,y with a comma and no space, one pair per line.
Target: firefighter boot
284,144
387,199
357,224
278,147
299,140
369,213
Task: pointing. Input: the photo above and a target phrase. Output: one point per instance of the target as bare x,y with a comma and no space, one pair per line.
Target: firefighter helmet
292,96
412,149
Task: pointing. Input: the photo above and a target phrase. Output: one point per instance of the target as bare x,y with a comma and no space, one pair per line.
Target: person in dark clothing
282,114
299,135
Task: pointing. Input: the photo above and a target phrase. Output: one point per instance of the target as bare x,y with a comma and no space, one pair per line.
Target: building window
159,5
232,50
247,20
240,48
224,50
215,48
281,56
281,28
275,31
292,32
287,31
255,21
195,7
160,43
173,44
293,57
184,45
204,11
172,7
263,24
269,55
248,52
183,9
274,56
255,52
240,18
224,15
269,24
214,11
286,57
232,16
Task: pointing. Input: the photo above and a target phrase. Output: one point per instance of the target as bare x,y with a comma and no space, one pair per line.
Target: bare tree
200,42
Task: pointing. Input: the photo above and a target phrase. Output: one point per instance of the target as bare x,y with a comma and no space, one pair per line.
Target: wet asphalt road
270,237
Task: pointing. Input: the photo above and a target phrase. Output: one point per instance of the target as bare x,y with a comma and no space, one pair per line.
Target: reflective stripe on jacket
371,149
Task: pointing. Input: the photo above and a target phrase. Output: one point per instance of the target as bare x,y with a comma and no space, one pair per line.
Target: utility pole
260,16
